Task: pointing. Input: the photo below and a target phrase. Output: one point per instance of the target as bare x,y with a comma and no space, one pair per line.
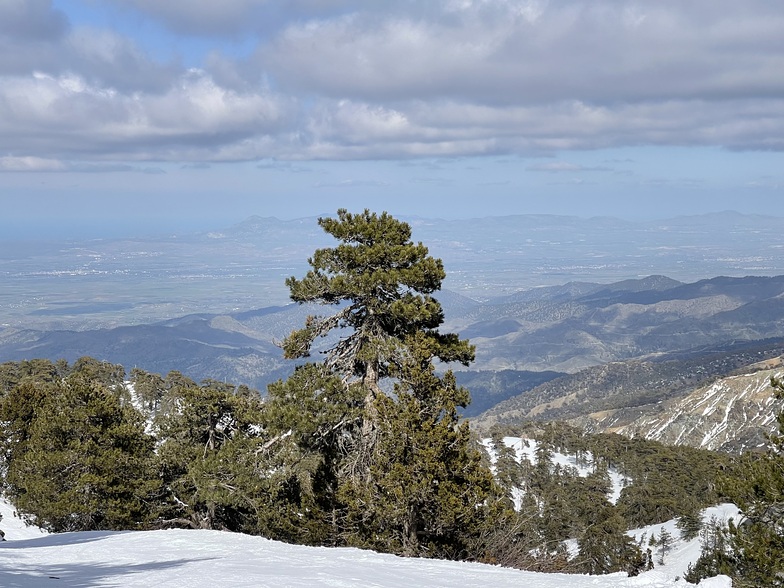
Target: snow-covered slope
13,527
683,553
196,559
731,414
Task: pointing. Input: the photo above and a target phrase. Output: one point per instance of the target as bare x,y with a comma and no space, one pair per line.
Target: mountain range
553,352
559,328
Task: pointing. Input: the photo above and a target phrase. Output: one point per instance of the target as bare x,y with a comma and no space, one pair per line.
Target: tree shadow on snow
77,575
56,539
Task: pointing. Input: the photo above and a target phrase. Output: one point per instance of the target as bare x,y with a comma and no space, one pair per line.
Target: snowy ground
196,559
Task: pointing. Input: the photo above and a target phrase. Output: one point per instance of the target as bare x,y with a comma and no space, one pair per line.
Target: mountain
731,414
579,325
640,397
547,331
236,348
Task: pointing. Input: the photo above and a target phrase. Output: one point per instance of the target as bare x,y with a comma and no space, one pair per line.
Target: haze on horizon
136,115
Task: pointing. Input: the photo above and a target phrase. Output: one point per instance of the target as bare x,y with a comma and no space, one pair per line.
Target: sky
146,115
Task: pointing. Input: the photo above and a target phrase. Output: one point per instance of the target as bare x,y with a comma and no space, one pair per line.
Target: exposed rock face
731,414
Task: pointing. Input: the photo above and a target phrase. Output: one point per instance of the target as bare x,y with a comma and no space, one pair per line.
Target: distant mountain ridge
546,331
576,326
126,281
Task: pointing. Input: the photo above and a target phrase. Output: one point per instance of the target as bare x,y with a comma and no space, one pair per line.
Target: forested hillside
615,395
216,456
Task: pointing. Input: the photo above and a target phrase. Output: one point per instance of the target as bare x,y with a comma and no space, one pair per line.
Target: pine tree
381,283
427,489
409,480
311,421
664,544
149,388
76,459
508,471
208,446
604,546
690,523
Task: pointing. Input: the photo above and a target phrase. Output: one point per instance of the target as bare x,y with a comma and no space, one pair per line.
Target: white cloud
80,119
30,164
340,79
600,52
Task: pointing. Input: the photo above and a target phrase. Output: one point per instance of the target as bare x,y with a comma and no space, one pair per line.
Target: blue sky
142,115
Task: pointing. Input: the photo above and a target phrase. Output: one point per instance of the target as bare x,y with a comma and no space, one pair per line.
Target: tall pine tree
410,480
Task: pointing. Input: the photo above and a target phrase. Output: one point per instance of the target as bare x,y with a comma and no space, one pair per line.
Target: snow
682,553
14,527
201,559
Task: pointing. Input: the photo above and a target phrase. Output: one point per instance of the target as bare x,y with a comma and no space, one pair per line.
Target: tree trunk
369,419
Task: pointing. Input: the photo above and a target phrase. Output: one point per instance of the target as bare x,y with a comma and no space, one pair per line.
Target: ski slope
202,559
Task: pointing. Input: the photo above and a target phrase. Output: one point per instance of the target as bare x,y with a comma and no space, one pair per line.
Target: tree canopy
409,479
382,283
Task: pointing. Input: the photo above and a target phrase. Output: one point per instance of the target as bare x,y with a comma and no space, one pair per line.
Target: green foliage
206,457
604,546
383,283
427,489
150,389
76,459
690,524
397,471
312,421
109,374
13,373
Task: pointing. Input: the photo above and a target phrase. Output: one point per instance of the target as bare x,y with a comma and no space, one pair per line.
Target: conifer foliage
409,480
76,458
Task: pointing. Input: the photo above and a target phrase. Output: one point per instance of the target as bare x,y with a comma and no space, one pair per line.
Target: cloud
30,164
194,116
108,59
498,52
342,79
31,19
